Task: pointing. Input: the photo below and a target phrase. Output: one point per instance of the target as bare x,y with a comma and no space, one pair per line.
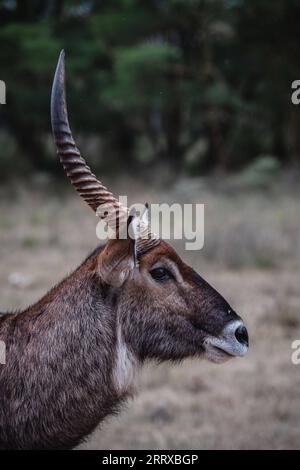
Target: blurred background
170,101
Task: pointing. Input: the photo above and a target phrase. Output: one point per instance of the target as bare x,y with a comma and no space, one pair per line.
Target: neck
66,365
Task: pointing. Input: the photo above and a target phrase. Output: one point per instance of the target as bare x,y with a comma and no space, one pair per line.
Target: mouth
216,355
230,344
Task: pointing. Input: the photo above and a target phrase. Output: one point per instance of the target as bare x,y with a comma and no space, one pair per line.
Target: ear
138,230
118,259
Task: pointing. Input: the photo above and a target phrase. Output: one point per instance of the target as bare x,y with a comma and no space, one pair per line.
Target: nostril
241,335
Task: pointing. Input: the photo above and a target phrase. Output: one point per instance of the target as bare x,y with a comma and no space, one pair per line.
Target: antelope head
164,309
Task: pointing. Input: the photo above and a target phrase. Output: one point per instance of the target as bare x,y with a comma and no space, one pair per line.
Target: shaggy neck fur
67,365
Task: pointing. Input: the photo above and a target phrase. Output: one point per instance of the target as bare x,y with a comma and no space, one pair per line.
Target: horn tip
62,56
58,106
61,60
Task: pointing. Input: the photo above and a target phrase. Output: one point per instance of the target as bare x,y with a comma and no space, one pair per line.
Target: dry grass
251,255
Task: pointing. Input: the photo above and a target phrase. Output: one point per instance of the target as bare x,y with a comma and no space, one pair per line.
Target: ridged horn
97,196
77,170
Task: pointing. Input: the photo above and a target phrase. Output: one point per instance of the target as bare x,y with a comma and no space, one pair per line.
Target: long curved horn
89,187
77,170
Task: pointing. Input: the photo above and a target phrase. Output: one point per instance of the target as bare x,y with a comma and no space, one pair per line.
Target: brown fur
59,380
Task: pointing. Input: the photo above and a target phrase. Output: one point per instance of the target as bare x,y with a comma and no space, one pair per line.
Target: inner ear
117,261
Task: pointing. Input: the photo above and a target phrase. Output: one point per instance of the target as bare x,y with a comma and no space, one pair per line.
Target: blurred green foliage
259,172
198,84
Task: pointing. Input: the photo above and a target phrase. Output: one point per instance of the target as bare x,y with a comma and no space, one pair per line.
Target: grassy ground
251,255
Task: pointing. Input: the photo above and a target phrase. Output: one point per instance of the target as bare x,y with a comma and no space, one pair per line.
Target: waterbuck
71,359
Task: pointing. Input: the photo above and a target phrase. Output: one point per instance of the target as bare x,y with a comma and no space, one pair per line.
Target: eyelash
161,274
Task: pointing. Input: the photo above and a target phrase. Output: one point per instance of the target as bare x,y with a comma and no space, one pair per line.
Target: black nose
241,335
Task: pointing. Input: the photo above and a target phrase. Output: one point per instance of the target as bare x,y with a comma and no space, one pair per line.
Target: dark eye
161,274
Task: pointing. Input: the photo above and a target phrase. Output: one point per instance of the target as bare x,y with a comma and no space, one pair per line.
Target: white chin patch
216,355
